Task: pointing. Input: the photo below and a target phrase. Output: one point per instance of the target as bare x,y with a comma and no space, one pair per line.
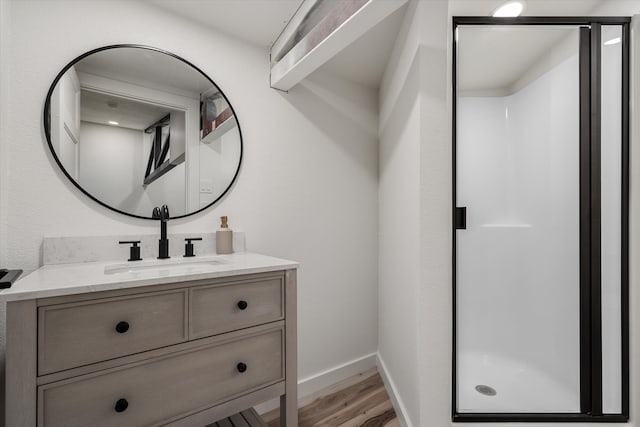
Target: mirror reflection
134,128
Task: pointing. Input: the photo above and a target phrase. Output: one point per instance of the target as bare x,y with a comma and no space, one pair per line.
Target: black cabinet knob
122,327
121,405
242,367
242,305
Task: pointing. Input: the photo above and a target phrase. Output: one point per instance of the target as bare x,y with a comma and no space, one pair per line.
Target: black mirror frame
47,126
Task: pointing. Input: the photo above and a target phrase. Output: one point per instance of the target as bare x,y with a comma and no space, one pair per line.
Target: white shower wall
518,259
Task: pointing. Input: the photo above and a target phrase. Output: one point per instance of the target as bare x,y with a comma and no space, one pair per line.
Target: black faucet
163,244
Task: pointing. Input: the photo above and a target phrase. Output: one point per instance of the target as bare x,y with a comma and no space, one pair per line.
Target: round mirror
135,127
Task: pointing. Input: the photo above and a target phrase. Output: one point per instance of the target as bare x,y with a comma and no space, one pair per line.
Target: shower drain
486,390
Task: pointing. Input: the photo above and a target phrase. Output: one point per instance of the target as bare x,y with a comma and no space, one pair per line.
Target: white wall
109,157
112,164
218,161
414,203
5,34
399,220
307,189
65,121
435,217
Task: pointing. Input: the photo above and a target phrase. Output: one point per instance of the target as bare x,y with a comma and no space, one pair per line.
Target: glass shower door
541,194
518,258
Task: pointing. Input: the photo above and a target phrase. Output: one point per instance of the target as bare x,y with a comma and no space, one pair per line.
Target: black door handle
460,218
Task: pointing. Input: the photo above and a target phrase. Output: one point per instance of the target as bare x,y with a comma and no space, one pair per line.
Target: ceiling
101,108
255,21
496,61
260,22
492,61
147,68
142,67
365,60
532,8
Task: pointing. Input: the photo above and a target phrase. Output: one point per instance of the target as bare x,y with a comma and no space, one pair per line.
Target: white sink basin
171,265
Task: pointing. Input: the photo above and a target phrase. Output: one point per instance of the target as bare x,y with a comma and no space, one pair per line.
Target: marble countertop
79,278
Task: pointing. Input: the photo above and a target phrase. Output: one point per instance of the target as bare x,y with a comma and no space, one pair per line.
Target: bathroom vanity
166,342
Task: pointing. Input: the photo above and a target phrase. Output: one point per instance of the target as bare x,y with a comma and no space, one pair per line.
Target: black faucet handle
188,247
134,251
156,213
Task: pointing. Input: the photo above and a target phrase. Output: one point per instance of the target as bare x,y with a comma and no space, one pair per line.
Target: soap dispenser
224,238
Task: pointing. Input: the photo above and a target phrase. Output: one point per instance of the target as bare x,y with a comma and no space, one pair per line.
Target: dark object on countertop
134,251
8,277
188,247
163,244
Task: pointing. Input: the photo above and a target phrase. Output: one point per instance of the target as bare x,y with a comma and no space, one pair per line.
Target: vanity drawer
222,308
76,334
162,389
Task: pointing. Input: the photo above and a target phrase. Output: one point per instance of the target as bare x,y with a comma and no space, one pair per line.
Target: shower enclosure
541,219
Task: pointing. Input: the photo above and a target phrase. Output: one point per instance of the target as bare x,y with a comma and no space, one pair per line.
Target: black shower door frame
590,221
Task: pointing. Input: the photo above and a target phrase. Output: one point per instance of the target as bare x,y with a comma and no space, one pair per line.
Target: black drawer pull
121,405
242,367
122,327
242,305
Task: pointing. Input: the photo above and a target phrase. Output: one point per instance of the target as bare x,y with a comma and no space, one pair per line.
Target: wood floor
360,401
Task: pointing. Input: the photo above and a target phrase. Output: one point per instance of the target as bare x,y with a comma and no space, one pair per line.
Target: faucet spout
163,229
163,244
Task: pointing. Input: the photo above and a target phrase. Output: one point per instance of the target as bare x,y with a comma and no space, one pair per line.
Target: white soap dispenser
224,238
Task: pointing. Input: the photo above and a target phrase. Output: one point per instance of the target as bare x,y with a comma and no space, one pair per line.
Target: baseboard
392,391
316,382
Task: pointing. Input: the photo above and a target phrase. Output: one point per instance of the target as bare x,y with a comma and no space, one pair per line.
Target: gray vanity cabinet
178,354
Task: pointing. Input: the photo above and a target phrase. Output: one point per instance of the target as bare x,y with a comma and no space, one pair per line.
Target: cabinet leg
288,410
289,400
21,363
